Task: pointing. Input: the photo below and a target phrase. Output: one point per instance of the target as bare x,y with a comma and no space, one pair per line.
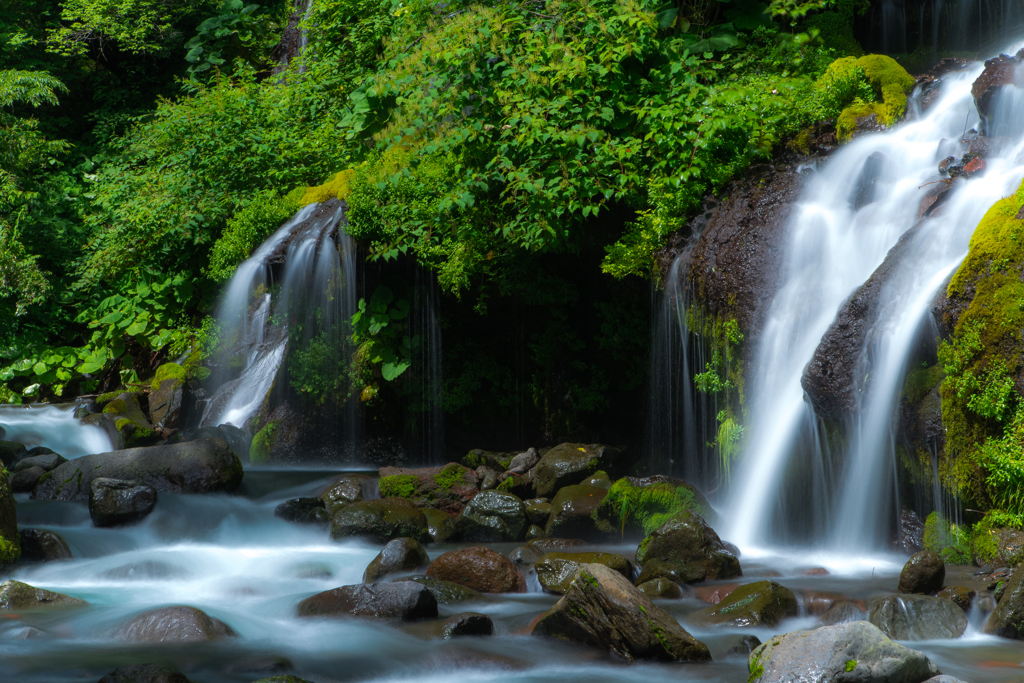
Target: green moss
263,443
339,186
851,664
103,399
399,486
869,85
949,540
984,542
171,371
451,475
920,382
643,508
117,406
121,423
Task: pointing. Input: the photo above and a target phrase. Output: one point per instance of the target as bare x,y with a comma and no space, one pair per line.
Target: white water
54,427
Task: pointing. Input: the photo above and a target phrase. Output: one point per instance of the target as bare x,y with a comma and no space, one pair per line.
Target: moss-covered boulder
872,86
16,596
492,517
538,510
556,571
130,420
446,488
762,603
636,506
570,463
572,513
10,543
686,549
496,460
917,617
1007,619
166,397
380,520
261,450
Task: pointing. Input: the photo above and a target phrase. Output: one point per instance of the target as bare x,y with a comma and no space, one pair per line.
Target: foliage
132,26
381,325
644,508
872,84
950,540
728,439
236,30
263,213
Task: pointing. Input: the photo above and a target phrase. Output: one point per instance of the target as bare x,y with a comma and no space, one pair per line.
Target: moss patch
171,371
263,443
920,382
451,475
338,187
864,86
399,486
643,508
948,539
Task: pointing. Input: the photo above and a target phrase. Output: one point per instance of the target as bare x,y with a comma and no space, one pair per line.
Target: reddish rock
479,568
999,72
446,488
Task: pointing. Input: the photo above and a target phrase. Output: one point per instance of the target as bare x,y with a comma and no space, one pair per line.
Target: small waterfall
294,38
54,427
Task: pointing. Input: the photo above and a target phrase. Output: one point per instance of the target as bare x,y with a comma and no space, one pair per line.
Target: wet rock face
917,617
479,568
685,549
1007,619
661,588
399,555
440,525
44,461
380,520
303,511
999,72
405,600
856,651
763,603
25,480
603,609
117,502
492,517
570,463
555,571
344,490
18,596
179,624
961,596
38,545
572,512
923,573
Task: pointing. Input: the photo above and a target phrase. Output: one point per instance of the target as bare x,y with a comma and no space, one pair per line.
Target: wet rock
178,624
445,592
1007,619
405,600
399,555
688,550
961,596
488,477
479,568
39,545
440,525
944,679
645,497
130,420
552,545
556,571
856,651
144,673
572,512
535,531
492,517
872,175
18,596
524,554
602,609
497,461
999,72
911,534
745,645
524,462
11,451
167,396
446,488
601,480
843,612
304,511
569,463
25,480
344,490
520,485
380,520
923,573
763,603
467,624
916,617
117,502
45,461
538,511
661,588
201,466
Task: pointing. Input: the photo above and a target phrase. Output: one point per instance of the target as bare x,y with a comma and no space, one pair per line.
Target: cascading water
54,427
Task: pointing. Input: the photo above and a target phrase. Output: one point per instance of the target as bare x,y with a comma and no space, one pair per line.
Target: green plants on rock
950,540
644,507
246,230
263,443
399,486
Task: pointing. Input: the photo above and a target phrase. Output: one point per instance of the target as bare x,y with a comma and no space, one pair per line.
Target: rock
843,612
445,592
447,488
688,550
520,485
1007,619
645,499
286,678
602,609
555,571
538,510
923,573
399,555
661,588
600,479
380,520
1008,550
911,537
535,531
467,624
872,175
488,477
572,512
999,72
11,451
167,395
524,462
917,617
961,596
496,460
39,545
763,603
45,461
569,463
745,645
16,596
304,511
130,420
440,525
116,502
144,673
552,545
524,554
24,481
492,517
344,490
178,624
404,600
856,651
479,568
10,542
944,679
201,466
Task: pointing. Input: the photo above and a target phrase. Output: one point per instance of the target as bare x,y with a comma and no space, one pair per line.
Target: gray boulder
178,624
45,461
116,502
492,517
399,555
304,511
570,463
39,545
16,596
405,600
344,490
917,617
1007,619
923,573
685,549
855,652
526,461
23,481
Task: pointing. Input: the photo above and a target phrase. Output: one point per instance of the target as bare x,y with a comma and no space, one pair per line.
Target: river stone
405,600
380,520
572,512
11,451
842,612
689,551
440,525
556,571
344,490
116,502
10,542
856,652
535,531
961,596
492,517
399,555
479,568
599,479
1007,619
39,545
661,588
553,545
303,511
445,592
45,461
538,510
167,395
200,466
488,477
762,603
923,573
526,461
446,488
23,481
569,463
178,624
16,596
916,617
467,624
602,609
524,554
144,673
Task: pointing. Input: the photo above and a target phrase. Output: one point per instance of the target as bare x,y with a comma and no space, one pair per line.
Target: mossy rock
446,592
889,83
380,520
446,488
496,460
262,448
10,543
130,421
949,540
168,371
492,517
571,463
763,603
685,549
17,596
338,187
636,506
556,571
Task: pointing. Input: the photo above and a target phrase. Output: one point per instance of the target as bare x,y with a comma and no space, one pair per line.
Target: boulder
177,624
116,502
479,568
526,461
856,651
842,612
636,506
762,603
446,488
923,573
167,395
661,588
538,510
1007,619
44,461
498,461
556,571
492,517
344,490
144,673
380,520
961,596
10,542
201,466
16,596
524,554
534,531
130,420
39,545
517,484
405,600
467,624
916,617
440,525
487,476
552,545
602,609
25,480
999,72
399,555
685,549
11,451
570,463
445,592
572,512
304,511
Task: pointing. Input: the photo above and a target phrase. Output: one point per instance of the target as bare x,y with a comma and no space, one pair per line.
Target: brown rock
405,600
999,72
962,596
923,573
446,488
478,568
180,624
399,555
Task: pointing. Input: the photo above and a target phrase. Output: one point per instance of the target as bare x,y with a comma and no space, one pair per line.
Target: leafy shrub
248,228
